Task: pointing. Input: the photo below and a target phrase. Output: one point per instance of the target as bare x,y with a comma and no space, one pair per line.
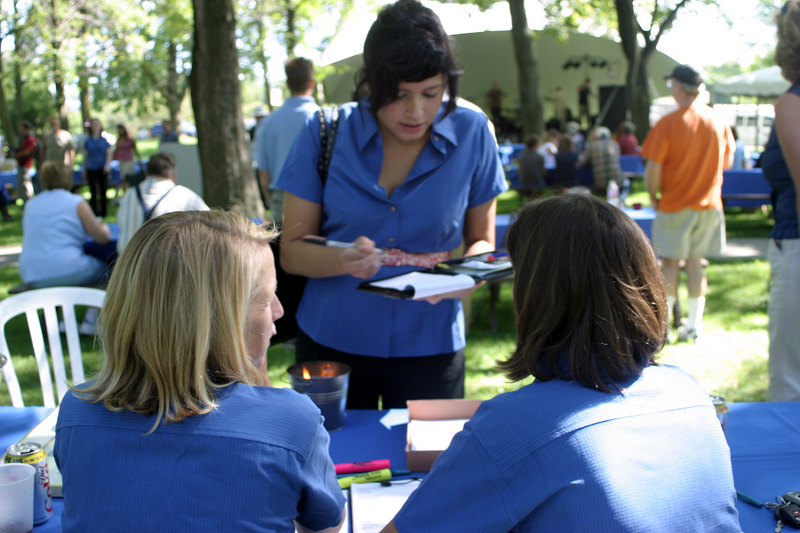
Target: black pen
322,241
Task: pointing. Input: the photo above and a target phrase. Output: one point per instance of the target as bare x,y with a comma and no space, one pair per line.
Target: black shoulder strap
148,213
327,135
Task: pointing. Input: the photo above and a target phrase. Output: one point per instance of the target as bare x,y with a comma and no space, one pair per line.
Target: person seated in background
530,169
55,226
627,141
603,423
574,132
168,135
156,195
566,171
602,154
549,148
741,159
199,440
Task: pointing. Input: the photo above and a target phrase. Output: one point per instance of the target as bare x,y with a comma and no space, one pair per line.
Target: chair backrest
47,300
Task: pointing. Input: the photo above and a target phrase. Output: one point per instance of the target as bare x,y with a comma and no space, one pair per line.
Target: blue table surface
764,439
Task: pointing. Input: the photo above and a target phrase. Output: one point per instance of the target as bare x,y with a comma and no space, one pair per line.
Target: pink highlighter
361,466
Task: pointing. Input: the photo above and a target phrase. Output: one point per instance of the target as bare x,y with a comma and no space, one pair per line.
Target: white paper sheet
426,284
433,434
374,505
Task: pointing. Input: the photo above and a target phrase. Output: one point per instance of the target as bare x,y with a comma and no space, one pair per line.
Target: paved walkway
736,249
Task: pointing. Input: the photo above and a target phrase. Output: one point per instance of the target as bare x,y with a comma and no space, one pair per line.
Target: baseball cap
260,111
686,74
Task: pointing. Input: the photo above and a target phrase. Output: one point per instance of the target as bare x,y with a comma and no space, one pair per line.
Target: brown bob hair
588,294
56,175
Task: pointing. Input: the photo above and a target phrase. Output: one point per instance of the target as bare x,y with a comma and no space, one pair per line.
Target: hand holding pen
360,258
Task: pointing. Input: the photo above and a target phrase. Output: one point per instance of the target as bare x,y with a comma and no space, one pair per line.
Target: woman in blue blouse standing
97,154
781,165
413,174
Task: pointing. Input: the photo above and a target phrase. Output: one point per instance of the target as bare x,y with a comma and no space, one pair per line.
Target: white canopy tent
765,83
484,46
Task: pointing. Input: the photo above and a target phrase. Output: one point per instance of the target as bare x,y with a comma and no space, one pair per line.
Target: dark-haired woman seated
605,439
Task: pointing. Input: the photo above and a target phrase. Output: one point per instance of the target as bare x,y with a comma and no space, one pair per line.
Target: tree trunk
291,36
263,59
528,71
19,83
636,78
5,117
58,82
639,100
228,179
19,87
83,86
174,94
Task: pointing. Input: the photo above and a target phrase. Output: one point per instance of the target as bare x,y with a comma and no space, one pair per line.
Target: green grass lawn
729,360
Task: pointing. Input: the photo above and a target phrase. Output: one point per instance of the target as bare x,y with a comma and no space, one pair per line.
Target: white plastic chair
48,299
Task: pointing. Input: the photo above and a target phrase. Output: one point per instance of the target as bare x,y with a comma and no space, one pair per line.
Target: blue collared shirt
276,133
458,169
255,463
558,456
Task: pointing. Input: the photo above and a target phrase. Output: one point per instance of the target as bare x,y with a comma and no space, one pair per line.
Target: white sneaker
87,328
686,333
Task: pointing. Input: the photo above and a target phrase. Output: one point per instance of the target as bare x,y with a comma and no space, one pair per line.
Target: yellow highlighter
367,477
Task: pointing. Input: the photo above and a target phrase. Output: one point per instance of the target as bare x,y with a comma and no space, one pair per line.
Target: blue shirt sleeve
321,497
457,497
489,179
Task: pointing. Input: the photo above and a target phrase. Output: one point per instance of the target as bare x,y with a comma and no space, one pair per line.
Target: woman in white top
55,225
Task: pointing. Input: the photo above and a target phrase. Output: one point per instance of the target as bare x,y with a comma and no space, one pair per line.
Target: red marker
362,466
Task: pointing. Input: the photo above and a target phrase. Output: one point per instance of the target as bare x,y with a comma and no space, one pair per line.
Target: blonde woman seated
192,436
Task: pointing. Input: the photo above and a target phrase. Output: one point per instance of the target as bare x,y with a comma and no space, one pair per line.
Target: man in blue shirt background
275,134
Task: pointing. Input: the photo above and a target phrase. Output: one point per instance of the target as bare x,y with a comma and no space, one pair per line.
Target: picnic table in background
745,188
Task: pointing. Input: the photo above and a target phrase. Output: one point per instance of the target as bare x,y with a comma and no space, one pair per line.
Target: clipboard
452,275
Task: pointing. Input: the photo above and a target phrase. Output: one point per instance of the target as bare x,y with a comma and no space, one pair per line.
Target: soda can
32,453
722,410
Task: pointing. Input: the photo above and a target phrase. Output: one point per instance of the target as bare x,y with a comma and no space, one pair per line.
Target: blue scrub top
255,463
96,152
459,168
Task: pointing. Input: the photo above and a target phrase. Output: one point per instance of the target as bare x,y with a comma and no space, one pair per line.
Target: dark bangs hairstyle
588,294
405,44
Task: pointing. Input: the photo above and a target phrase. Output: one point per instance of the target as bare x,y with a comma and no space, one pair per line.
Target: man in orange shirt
686,153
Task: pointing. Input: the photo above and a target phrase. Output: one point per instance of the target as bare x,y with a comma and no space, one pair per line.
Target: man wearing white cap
686,153
259,113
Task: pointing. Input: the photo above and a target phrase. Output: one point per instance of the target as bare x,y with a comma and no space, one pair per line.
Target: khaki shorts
689,233
127,168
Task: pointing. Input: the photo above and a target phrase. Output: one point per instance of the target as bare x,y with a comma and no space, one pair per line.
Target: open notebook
449,276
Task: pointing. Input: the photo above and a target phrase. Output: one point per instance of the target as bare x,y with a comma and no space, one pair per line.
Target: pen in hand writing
322,241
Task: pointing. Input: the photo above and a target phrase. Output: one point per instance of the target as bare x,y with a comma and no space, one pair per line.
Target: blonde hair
787,53
172,325
56,175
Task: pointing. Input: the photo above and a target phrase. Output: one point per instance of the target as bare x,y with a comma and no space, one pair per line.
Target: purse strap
327,136
148,213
